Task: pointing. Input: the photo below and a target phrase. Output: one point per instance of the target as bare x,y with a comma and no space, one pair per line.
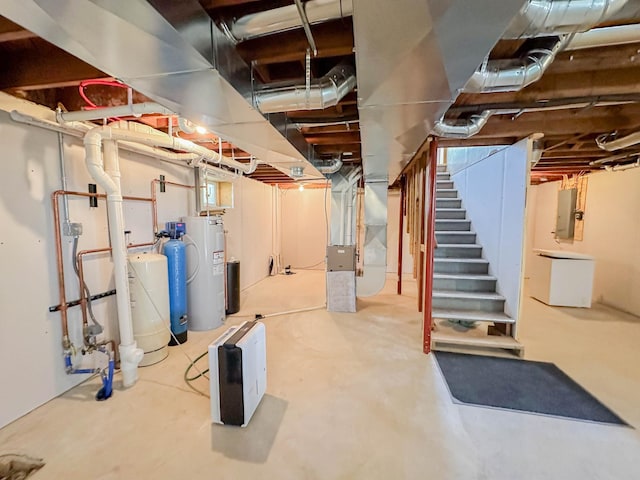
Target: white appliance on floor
205,261
237,373
563,279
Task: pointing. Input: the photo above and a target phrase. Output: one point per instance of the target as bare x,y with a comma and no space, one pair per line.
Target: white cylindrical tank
205,292
149,289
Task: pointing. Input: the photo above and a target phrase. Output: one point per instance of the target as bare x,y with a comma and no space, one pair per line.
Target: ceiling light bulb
301,188
201,130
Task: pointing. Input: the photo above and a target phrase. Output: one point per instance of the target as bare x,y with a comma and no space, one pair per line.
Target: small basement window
217,195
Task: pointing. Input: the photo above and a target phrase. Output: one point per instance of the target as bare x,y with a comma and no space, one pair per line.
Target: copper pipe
154,198
59,258
98,195
83,294
66,344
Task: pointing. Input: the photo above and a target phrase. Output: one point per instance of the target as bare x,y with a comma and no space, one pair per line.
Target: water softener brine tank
149,290
205,292
174,250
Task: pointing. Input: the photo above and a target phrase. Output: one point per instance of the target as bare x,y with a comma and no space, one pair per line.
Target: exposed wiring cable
308,267
191,365
203,373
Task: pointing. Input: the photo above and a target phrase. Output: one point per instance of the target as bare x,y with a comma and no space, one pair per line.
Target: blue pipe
107,379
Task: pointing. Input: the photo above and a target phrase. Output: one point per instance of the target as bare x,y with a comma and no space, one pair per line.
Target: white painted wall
493,190
393,217
31,360
611,234
304,227
249,227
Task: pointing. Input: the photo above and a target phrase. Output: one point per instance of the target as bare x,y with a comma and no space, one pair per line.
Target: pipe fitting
130,358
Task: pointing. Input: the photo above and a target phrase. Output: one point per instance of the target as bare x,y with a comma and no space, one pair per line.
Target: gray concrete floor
349,396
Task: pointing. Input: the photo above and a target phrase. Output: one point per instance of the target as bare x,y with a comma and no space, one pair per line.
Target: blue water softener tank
174,250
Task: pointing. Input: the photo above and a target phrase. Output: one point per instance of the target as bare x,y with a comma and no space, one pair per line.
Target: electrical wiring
203,373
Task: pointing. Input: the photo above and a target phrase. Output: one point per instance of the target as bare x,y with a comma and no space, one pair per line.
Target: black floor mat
536,387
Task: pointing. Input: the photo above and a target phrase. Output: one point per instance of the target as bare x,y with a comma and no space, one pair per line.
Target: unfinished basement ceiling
412,58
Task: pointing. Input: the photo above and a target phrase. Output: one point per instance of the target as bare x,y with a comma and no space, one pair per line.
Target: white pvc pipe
134,109
78,129
108,177
620,168
162,140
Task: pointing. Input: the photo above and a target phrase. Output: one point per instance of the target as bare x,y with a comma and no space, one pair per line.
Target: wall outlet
71,229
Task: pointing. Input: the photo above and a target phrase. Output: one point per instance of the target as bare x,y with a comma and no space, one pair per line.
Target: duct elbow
93,159
332,168
515,74
323,93
474,124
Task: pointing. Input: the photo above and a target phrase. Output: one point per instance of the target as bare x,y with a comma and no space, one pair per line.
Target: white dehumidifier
237,373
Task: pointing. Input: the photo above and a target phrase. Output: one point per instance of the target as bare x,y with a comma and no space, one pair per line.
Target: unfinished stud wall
393,216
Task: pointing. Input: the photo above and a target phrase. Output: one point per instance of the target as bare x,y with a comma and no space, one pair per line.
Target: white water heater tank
205,292
149,290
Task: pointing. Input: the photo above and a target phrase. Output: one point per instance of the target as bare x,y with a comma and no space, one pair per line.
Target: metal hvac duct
473,124
609,143
471,127
322,93
285,18
333,167
540,18
515,74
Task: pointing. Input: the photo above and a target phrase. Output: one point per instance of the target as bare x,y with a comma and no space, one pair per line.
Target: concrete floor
349,396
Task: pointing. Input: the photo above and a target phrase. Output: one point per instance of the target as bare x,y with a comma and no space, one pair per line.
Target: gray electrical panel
341,258
566,220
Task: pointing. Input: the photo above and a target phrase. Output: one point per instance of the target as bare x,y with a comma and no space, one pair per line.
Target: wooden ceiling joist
43,66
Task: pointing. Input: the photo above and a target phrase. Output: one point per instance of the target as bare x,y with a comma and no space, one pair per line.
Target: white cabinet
562,279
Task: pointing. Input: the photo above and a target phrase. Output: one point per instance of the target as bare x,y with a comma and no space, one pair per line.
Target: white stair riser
446,184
